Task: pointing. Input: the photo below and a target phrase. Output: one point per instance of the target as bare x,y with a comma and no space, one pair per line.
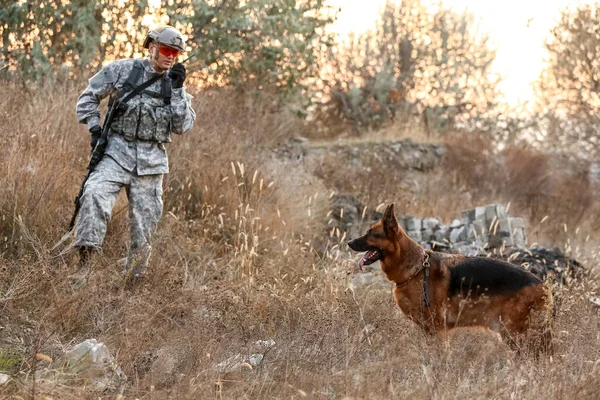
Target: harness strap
140,88
426,265
166,89
134,77
156,95
402,284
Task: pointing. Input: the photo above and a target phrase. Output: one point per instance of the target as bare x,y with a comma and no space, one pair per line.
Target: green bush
429,63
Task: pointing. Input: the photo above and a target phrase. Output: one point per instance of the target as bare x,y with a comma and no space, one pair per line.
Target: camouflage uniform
135,157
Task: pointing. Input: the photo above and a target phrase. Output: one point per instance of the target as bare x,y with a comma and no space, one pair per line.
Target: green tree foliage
429,62
37,38
260,43
254,43
568,91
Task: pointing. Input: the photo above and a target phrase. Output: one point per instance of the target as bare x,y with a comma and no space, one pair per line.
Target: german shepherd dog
441,291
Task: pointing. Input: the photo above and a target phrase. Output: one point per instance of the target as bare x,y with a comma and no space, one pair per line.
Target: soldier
135,156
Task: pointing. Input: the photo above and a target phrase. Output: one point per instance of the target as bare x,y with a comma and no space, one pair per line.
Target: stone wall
480,230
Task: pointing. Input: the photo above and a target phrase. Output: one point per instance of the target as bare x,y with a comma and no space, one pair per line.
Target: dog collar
426,267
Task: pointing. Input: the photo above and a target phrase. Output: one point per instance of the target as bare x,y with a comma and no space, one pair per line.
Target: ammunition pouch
144,121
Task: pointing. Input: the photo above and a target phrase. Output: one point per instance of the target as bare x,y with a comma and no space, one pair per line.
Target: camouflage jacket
144,156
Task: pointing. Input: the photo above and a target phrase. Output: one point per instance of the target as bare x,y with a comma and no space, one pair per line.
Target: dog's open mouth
369,258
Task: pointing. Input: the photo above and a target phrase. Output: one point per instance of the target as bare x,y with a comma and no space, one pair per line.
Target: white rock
4,379
238,361
458,235
266,344
431,223
414,223
415,235
442,234
456,223
92,359
255,359
231,363
594,300
427,235
480,214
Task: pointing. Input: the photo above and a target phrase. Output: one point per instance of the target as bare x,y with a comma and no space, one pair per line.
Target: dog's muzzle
372,254
358,244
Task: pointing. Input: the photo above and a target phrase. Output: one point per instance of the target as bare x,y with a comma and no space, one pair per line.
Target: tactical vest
148,115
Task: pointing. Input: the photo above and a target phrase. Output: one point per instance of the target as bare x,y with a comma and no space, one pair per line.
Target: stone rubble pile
542,262
479,231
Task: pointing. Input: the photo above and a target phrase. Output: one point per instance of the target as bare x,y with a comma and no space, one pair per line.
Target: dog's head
379,240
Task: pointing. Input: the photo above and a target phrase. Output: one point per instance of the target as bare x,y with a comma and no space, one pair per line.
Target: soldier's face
162,57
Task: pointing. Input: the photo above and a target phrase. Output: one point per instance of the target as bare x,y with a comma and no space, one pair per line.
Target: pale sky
516,27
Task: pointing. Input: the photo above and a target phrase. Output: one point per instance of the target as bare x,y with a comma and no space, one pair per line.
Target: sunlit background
518,28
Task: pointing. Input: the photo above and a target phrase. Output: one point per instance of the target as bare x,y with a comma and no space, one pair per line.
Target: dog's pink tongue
363,260
361,263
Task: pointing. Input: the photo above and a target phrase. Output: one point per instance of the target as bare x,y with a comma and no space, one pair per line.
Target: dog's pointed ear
390,223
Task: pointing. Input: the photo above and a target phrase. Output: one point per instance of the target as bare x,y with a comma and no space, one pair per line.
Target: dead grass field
235,262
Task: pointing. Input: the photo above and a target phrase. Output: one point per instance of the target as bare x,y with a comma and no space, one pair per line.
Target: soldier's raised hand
177,75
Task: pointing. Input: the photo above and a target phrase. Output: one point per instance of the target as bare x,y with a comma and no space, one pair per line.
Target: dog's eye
369,234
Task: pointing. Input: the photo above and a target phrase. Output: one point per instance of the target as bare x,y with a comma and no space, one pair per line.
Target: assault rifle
117,106
98,152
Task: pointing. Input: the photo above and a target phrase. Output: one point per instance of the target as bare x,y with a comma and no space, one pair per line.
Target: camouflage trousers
145,210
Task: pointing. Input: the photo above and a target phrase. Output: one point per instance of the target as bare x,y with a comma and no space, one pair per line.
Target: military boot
80,278
137,262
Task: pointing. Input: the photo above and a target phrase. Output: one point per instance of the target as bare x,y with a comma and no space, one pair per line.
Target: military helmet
166,35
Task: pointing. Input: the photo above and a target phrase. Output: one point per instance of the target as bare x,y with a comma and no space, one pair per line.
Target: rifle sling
140,88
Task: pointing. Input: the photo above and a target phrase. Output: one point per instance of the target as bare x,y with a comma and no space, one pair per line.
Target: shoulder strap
166,90
140,88
134,76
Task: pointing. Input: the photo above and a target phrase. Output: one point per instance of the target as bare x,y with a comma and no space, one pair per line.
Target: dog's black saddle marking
478,276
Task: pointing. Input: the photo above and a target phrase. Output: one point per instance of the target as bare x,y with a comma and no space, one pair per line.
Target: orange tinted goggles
168,51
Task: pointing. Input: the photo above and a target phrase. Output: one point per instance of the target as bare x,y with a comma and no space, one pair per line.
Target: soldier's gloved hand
96,132
177,75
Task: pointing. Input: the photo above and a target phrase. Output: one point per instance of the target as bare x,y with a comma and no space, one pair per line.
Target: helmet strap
153,56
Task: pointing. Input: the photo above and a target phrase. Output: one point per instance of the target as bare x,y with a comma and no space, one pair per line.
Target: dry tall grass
234,263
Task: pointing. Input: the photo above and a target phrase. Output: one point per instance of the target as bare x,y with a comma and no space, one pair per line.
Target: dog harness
426,267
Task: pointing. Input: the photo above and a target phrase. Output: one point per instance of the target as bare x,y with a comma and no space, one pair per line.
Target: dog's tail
550,306
541,322
546,320
554,295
